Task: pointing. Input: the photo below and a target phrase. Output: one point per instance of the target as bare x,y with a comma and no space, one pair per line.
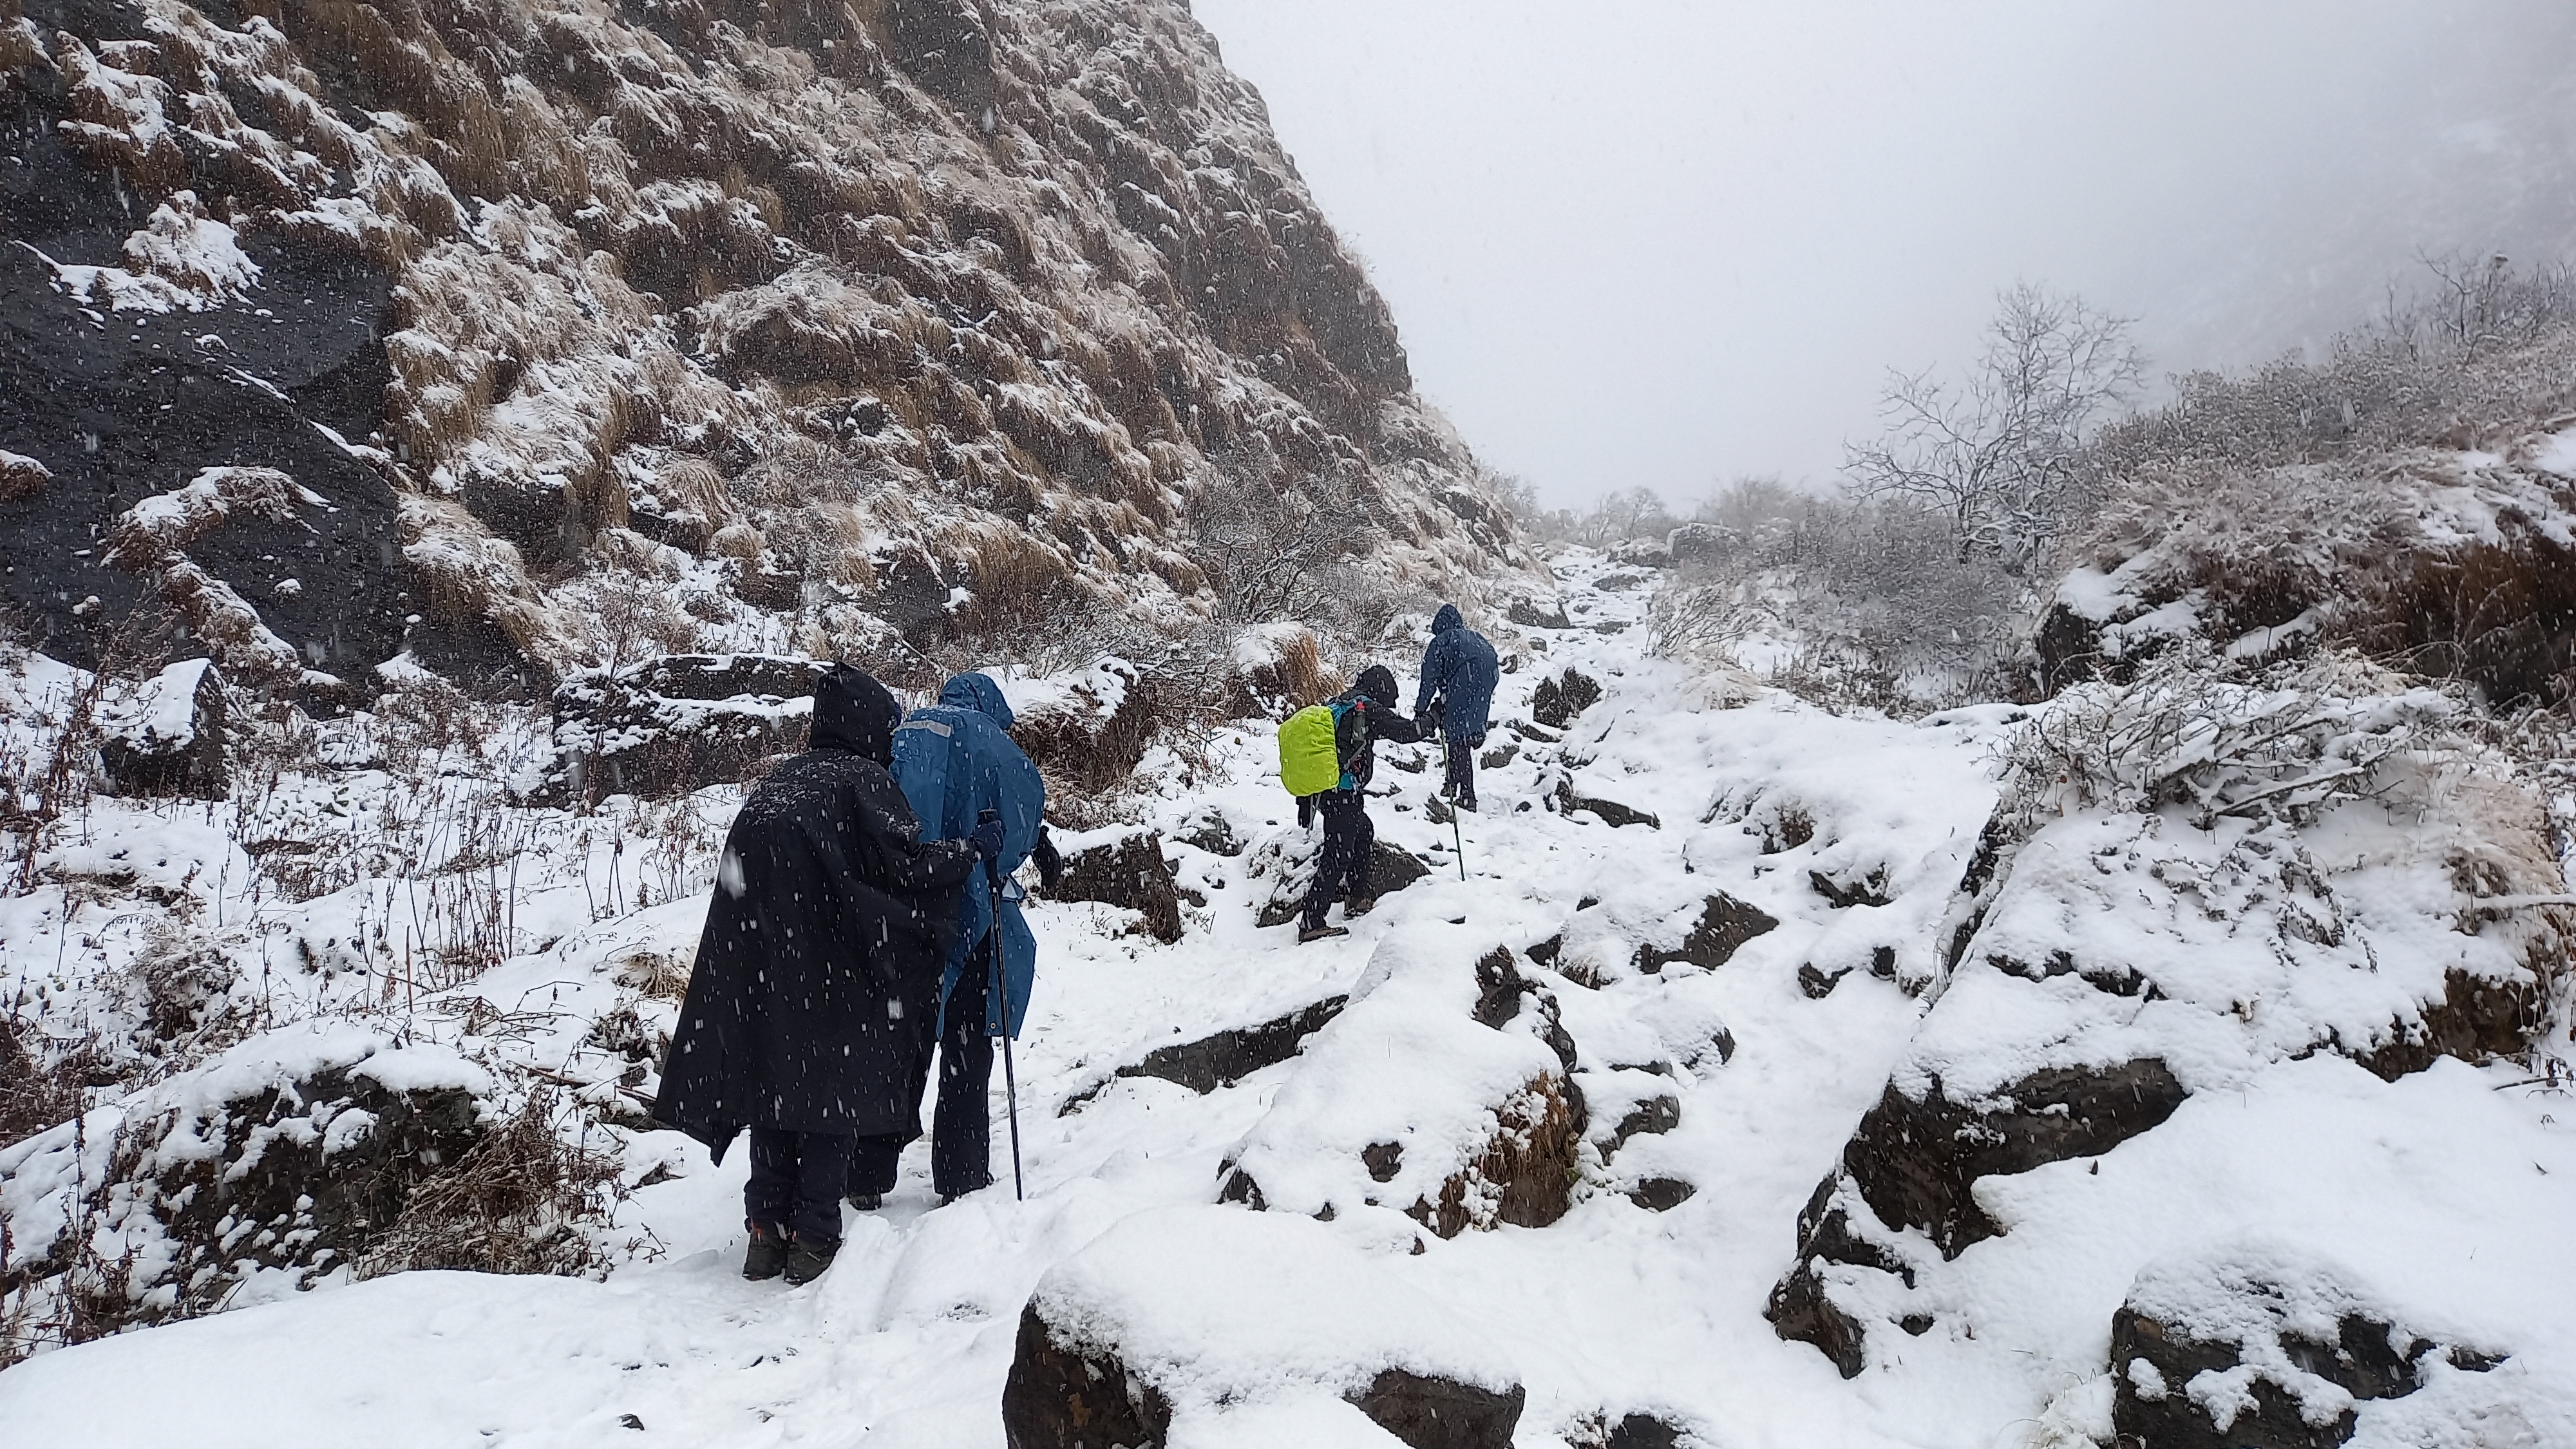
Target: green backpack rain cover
1310,758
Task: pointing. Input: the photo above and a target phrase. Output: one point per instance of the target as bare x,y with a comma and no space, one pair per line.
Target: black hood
1447,619
1379,685
855,713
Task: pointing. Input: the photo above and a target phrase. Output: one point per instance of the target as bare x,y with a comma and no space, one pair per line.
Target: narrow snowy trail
1850,836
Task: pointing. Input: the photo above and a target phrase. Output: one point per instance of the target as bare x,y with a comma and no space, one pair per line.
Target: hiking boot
867,1202
806,1259
1318,933
766,1258
1465,802
1357,907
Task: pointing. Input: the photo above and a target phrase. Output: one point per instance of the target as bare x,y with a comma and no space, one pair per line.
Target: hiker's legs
1343,865
874,1159
769,1194
822,1175
961,1126
1462,768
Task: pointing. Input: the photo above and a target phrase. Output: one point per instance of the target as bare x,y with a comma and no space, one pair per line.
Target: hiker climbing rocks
956,762
1459,673
808,1015
1327,753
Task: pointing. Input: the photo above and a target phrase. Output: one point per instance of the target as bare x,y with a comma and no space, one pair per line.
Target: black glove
1305,812
1050,863
987,835
1434,713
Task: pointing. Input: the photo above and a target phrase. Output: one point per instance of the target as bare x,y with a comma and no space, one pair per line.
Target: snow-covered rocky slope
2126,1113
504,335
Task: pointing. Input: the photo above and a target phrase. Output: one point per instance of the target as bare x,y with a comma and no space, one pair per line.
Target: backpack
1310,755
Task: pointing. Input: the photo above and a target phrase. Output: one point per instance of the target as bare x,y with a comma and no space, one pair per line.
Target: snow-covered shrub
2218,738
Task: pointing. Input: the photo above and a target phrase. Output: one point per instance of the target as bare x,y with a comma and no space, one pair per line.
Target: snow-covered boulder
1182,1325
2262,1346
2131,959
679,723
1561,697
1087,727
1437,1092
284,1158
166,735
1126,869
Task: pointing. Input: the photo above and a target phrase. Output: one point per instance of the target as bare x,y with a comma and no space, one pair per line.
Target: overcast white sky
1672,241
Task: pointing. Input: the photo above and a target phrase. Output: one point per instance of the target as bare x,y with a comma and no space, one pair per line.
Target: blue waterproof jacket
954,762
1460,671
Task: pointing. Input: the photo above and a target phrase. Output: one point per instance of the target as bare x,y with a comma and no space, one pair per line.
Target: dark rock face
1435,1413
304,1176
1724,925
1867,890
1560,699
1502,992
1913,1164
1227,1057
1530,616
679,723
945,46
1391,869
1128,872
1065,1398
1655,1114
116,406
2476,1020
1817,985
1662,1194
1611,812
1062,1397
168,737
1914,1161
2153,1364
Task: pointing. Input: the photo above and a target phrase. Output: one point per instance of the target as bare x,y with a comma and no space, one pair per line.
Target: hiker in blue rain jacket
1459,673
807,1018
955,761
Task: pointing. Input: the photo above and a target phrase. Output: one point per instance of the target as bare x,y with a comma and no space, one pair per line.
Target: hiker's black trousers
1462,767
961,1125
796,1182
1342,870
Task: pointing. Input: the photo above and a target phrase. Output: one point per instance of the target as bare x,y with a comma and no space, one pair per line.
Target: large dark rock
2476,1020
1391,869
1435,1413
1060,1397
2155,1356
1525,1175
166,735
678,723
1076,1384
1561,698
1724,925
1611,812
1224,1058
1914,1163
1128,872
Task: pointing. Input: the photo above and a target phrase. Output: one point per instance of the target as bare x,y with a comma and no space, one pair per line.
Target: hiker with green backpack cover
1327,754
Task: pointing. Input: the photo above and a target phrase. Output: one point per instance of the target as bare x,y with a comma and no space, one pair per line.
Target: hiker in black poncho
811,1008
1366,714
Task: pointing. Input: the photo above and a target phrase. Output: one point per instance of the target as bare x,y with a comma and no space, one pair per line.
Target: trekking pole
1457,835
1002,988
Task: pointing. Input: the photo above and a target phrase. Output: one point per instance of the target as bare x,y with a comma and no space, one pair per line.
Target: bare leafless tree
1269,541
2001,451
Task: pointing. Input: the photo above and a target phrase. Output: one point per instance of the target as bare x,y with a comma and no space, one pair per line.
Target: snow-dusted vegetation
2066,943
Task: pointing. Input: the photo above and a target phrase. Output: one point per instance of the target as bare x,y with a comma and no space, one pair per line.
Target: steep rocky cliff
515,336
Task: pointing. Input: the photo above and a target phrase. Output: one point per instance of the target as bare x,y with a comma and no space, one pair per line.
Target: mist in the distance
1660,242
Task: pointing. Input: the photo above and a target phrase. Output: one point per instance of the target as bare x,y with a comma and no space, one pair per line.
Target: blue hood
1447,619
977,692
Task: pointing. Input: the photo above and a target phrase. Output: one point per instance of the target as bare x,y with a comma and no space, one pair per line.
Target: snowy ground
2447,1192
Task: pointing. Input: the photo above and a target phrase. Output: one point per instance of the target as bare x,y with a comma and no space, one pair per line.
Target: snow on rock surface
1187,1315
2314,1101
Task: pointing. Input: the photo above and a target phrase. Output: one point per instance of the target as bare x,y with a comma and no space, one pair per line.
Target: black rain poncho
816,986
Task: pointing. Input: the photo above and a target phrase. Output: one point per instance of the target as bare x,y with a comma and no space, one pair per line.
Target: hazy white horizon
1664,243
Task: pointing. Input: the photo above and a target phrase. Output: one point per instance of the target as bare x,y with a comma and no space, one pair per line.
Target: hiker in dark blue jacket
955,761
1457,696
1367,714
